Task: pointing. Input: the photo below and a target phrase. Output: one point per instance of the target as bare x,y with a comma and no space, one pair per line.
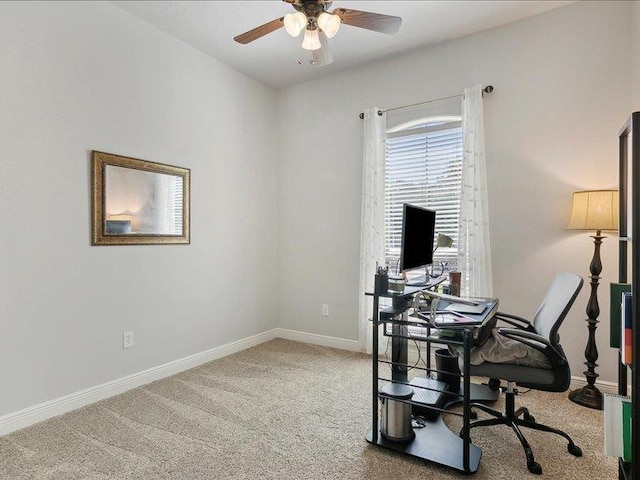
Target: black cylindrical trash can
448,370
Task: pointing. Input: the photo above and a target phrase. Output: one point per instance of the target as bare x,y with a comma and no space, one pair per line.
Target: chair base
511,417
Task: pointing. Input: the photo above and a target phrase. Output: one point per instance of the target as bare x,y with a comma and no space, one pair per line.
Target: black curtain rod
487,89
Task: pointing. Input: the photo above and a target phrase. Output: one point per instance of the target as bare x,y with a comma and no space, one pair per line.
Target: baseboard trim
316,339
52,408
603,386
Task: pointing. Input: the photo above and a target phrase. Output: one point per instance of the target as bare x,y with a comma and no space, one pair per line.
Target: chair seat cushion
499,349
513,373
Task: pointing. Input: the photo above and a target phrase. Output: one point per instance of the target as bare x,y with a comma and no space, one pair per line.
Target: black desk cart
434,442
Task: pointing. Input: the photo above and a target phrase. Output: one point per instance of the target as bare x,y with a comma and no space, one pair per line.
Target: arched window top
426,123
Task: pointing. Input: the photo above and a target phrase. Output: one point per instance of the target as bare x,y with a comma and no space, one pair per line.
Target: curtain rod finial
380,113
488,89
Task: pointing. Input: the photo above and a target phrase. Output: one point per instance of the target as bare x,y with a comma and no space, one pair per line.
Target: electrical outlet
325,309
127,339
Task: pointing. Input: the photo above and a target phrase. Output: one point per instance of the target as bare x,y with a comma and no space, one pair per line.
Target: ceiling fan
319,24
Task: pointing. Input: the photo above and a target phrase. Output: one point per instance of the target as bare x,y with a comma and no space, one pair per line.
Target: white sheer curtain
474,246
372,217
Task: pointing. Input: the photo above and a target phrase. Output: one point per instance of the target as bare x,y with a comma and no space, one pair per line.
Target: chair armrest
534,340
516,321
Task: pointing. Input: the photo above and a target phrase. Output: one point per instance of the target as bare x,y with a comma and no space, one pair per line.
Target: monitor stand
421,281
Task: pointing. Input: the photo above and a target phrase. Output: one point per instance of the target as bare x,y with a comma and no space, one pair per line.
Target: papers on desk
466,308
452,298
477,312
454,319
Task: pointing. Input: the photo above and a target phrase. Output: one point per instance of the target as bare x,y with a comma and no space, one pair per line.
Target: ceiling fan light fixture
322,56
311,40
294,23
329,23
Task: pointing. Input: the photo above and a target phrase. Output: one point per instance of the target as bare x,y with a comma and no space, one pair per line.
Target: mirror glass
139,202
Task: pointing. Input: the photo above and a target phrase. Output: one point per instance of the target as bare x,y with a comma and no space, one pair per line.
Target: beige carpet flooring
281,410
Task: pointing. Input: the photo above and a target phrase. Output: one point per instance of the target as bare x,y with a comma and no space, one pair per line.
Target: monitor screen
418,230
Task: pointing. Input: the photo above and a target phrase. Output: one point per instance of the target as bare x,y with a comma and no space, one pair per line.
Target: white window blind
423,168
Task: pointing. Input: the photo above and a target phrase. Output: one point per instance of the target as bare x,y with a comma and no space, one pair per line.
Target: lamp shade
594,210
311,40
444,240
294,23
330,24
121,217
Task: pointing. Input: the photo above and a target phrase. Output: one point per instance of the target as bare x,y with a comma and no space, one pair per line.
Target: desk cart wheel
574,450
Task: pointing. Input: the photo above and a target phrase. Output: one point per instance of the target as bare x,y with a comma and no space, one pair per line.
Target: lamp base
587,396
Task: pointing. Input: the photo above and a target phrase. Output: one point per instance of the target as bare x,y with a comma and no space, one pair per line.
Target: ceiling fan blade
300,2
260,31
371,21
322,56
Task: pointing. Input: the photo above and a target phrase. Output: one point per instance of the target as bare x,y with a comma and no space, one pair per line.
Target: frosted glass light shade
595,210
311,40
330,24
294,23
322,56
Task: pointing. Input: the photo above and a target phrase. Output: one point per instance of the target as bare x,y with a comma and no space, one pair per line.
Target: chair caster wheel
574,450
530,418
535,468
474,415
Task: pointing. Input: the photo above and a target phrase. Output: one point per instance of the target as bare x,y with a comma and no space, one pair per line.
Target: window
178,205
423,167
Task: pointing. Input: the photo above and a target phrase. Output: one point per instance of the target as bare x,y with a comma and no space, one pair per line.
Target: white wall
83,76
562,83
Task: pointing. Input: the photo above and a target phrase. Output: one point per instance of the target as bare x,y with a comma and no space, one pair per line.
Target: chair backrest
555,305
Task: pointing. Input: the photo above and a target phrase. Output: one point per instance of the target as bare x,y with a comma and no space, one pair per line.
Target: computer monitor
418,231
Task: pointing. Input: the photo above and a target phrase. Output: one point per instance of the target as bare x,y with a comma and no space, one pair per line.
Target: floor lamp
593,210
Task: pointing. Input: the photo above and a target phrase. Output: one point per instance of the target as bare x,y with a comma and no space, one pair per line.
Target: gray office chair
540,334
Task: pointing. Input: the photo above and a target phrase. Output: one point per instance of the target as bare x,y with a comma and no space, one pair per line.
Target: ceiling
273,59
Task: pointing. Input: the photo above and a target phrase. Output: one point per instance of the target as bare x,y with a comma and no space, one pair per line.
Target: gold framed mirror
138,202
